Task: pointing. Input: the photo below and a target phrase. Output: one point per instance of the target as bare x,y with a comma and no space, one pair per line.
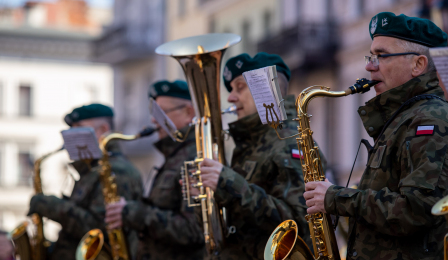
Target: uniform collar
167,146
379,109
250,128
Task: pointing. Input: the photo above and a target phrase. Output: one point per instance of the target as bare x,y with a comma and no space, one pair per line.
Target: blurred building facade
127,45
44,73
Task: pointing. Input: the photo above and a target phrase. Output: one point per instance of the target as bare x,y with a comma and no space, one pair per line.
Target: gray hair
418,48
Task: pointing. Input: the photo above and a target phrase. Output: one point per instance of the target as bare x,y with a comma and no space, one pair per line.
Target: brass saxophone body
92,246
284,242
34,248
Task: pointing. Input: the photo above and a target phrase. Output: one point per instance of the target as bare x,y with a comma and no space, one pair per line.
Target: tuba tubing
284,242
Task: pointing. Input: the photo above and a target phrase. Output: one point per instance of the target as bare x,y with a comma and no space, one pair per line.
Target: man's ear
420,65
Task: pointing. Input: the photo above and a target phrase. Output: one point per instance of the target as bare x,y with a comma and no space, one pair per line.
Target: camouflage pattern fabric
406,174
84,209
167,227
263,187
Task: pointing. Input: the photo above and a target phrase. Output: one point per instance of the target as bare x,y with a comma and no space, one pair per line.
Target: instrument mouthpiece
362,85
147,131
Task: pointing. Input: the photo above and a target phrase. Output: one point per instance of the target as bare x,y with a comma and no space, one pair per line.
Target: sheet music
162,119
260,87
81,143
440,58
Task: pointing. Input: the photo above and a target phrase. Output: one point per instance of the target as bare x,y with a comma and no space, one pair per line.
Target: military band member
264,185
168,228
84,209
406,174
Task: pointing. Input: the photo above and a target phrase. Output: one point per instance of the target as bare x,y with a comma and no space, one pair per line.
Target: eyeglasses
375,61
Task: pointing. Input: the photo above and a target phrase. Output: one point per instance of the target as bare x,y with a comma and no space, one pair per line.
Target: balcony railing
311,44
123,42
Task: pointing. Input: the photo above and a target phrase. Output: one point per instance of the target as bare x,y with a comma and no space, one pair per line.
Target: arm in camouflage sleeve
423,181
265,208
78,220
163,224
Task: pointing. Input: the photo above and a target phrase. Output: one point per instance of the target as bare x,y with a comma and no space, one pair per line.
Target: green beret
87,112
178,88
237,65
413,29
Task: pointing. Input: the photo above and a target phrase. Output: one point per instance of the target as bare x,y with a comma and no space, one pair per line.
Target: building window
25,167
1,99
25,100
247,45
267,17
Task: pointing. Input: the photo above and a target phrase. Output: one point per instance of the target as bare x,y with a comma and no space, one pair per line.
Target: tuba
34,248
200,58
92,246
284,243
441,208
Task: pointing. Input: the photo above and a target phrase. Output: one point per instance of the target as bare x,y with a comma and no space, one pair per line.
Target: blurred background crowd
59,54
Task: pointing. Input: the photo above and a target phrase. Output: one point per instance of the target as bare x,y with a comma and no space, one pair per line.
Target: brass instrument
284,243
200,58
91,246
34,248
441,208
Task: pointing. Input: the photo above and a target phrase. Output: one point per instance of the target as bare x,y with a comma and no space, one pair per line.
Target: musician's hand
315,195
210,171
114,217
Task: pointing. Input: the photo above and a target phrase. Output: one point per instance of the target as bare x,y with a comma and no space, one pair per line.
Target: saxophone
92,246
284,243
441,208
34,248
200,58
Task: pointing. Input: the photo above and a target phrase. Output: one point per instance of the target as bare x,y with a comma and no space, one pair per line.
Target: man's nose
370,67
232,98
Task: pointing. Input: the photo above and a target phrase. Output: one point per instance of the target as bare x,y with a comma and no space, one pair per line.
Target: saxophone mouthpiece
362,86
147,131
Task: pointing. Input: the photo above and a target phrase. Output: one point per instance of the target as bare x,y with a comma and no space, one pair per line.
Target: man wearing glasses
407,170
167,228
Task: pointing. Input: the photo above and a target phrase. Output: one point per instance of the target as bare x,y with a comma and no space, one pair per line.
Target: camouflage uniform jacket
84,209
263,187
406,174
168,228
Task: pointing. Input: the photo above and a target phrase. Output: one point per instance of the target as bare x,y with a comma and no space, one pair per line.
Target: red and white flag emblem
425,130
296,154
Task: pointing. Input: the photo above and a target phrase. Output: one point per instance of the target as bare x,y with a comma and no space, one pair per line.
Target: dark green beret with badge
413,29
88,112
235,66
178,89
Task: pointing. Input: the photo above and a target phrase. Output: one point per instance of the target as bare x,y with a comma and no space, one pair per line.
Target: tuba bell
200,58
441,208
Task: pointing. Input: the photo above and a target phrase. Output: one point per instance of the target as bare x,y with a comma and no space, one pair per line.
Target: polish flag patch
296,154
425,130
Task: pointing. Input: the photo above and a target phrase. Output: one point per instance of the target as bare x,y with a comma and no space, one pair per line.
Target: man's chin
379,88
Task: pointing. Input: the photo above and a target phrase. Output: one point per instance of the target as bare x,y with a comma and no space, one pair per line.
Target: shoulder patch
296,154
425,130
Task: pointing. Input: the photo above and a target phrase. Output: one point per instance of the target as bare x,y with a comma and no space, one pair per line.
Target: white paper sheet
81,143
260,88
440,58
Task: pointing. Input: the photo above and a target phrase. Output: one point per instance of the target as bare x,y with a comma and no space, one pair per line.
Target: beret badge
165,88
227,74
373,25
239,64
